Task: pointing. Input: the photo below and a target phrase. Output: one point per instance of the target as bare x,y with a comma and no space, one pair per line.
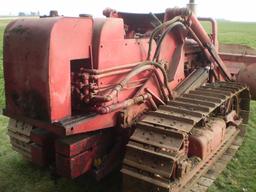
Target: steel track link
157,151
19,133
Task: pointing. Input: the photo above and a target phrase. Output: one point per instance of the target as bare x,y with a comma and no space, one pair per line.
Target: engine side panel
37,73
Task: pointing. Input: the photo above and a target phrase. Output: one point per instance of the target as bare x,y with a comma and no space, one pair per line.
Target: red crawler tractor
149,91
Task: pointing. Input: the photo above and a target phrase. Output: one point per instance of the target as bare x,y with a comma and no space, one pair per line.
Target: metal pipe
204,49
148,65
117,88
199,30
202,35
116,68
214,30
192,6
125,104
166,98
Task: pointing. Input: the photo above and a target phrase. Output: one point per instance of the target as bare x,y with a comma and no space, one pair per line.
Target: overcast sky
235,10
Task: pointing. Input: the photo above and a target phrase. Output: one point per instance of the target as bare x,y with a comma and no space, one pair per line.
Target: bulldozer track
19,133
206,177
158,148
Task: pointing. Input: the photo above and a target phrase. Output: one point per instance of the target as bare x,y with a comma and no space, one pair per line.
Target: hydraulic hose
169,29
148,65
158,29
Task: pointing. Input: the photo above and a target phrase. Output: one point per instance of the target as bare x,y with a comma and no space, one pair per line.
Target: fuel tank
203,141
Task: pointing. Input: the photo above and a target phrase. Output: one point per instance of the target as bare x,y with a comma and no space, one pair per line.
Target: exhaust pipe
192,6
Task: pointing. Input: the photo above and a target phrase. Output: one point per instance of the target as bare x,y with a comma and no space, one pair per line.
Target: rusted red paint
37,75
65,76
206,140
74,166
241,62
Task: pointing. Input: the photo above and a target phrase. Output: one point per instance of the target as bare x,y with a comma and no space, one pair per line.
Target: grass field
237,33
18,175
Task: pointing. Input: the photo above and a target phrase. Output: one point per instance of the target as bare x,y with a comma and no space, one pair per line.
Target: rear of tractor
149,90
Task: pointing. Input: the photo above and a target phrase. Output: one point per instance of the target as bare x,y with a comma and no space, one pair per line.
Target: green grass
240,175
18,175
236,33
3,23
